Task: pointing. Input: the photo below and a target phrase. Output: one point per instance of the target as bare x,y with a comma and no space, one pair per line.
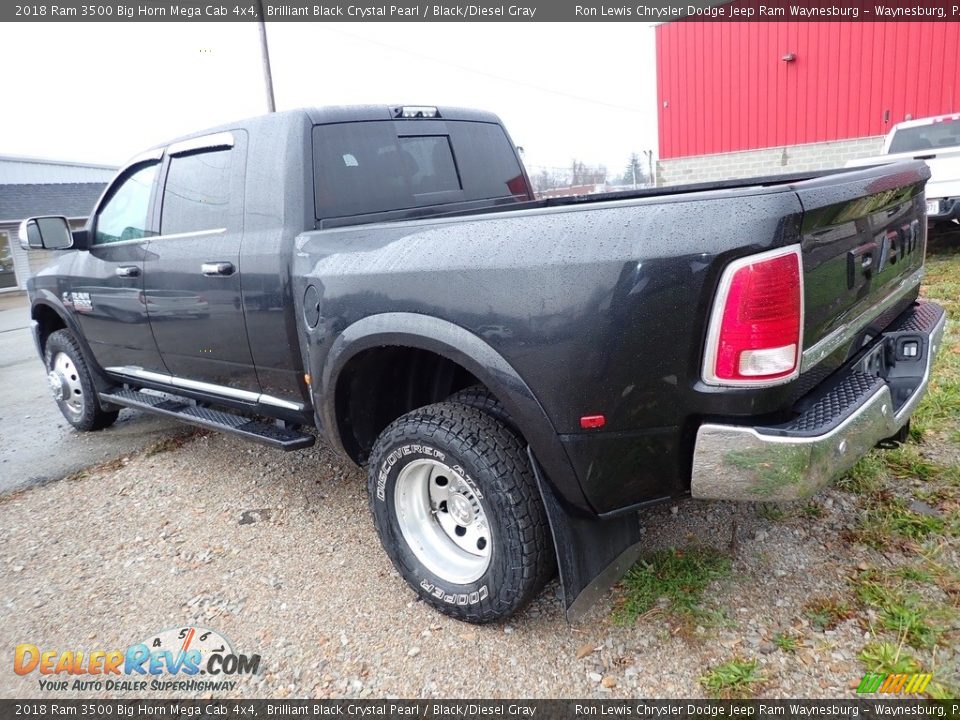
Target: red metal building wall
723,86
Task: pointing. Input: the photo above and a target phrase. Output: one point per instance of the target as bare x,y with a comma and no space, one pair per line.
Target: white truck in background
935,140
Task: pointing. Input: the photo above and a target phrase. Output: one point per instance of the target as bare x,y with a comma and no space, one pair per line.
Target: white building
35,186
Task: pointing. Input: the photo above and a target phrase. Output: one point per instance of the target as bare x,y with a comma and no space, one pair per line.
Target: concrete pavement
36,443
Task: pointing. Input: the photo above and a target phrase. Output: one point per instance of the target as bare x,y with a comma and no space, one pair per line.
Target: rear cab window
931,136
362,168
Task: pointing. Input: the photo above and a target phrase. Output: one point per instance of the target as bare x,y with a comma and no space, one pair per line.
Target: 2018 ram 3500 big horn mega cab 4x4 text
519,376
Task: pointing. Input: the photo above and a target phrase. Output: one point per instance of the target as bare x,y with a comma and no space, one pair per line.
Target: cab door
192,272
105,288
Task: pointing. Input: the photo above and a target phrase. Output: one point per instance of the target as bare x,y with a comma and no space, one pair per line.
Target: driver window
124,216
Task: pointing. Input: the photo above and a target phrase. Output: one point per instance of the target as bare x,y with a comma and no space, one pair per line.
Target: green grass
899,607
906,462
827,612
940,410
888,657
678,578
889,521
787,642
866,477
812,510
734,678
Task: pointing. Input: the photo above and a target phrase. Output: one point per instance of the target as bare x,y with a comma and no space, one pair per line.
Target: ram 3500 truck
519,376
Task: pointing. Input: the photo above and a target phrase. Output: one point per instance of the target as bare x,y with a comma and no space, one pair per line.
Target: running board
226,422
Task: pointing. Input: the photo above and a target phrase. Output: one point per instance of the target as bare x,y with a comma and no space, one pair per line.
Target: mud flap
592,554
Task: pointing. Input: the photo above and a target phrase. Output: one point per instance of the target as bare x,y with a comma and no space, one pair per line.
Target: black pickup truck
520,376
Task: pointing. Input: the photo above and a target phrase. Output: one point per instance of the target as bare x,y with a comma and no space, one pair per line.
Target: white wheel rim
64,379
443,521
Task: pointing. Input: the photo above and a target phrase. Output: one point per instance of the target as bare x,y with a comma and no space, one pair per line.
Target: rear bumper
835,425
949,210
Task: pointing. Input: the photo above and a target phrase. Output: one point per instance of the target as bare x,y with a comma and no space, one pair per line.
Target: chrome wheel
64,380
443,521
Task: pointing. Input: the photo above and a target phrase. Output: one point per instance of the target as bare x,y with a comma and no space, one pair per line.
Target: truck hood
944,168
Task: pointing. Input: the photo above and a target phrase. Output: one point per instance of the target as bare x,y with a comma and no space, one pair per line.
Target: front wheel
458,512
72,384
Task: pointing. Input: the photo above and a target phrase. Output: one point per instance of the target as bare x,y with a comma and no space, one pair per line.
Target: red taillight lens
755,332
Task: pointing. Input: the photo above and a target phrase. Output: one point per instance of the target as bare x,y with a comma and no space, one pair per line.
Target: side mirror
46,233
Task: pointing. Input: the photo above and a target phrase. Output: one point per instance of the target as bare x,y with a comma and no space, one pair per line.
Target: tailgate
863,244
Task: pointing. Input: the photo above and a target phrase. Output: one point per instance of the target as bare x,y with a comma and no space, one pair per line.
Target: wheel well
381,384
49,322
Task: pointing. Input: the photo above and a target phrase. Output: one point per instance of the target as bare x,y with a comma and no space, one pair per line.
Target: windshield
936,135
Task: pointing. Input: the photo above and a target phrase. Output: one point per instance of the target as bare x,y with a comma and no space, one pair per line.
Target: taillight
756,326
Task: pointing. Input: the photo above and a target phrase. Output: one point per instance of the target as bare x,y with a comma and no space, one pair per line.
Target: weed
679,577
901,611
734,678
888,657
827,612
812,510
787,642
889,520
910,573
907,462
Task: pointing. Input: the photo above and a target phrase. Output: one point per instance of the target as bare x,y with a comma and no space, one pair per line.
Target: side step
227,422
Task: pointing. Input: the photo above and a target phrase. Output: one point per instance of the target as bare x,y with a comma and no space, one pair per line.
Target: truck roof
336,114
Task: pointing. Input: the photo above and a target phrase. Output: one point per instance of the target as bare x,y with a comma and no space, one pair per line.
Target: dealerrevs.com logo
187,659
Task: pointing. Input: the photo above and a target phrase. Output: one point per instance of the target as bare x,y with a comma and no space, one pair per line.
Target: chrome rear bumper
837,427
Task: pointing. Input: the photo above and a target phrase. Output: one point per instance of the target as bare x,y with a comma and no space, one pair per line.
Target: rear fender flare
472,353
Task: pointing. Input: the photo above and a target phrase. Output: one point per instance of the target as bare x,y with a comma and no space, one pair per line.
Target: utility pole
265,58
649,154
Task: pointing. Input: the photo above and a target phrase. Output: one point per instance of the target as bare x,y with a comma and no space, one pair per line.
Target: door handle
212,269
127,271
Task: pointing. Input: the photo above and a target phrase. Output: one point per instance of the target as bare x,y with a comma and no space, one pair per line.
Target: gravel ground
277,552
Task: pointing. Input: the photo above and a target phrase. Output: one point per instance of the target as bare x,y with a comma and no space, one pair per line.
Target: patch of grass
771,511
787,642
812,510
826,613
900,610
889,520
888,657
678,578
940,409
907,462
734,678
866,477
911,573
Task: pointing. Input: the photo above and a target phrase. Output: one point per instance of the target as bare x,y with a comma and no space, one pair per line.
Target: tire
459,453
477,396
72,384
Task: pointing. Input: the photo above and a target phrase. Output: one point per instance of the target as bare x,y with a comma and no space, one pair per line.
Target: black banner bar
480,11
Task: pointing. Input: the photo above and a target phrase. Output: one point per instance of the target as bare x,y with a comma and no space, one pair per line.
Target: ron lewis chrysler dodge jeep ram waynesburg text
520,376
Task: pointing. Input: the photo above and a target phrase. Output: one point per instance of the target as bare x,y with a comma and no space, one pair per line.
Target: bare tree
583,174
548,179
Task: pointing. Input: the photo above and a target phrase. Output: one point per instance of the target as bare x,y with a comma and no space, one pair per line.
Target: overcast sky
103,92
